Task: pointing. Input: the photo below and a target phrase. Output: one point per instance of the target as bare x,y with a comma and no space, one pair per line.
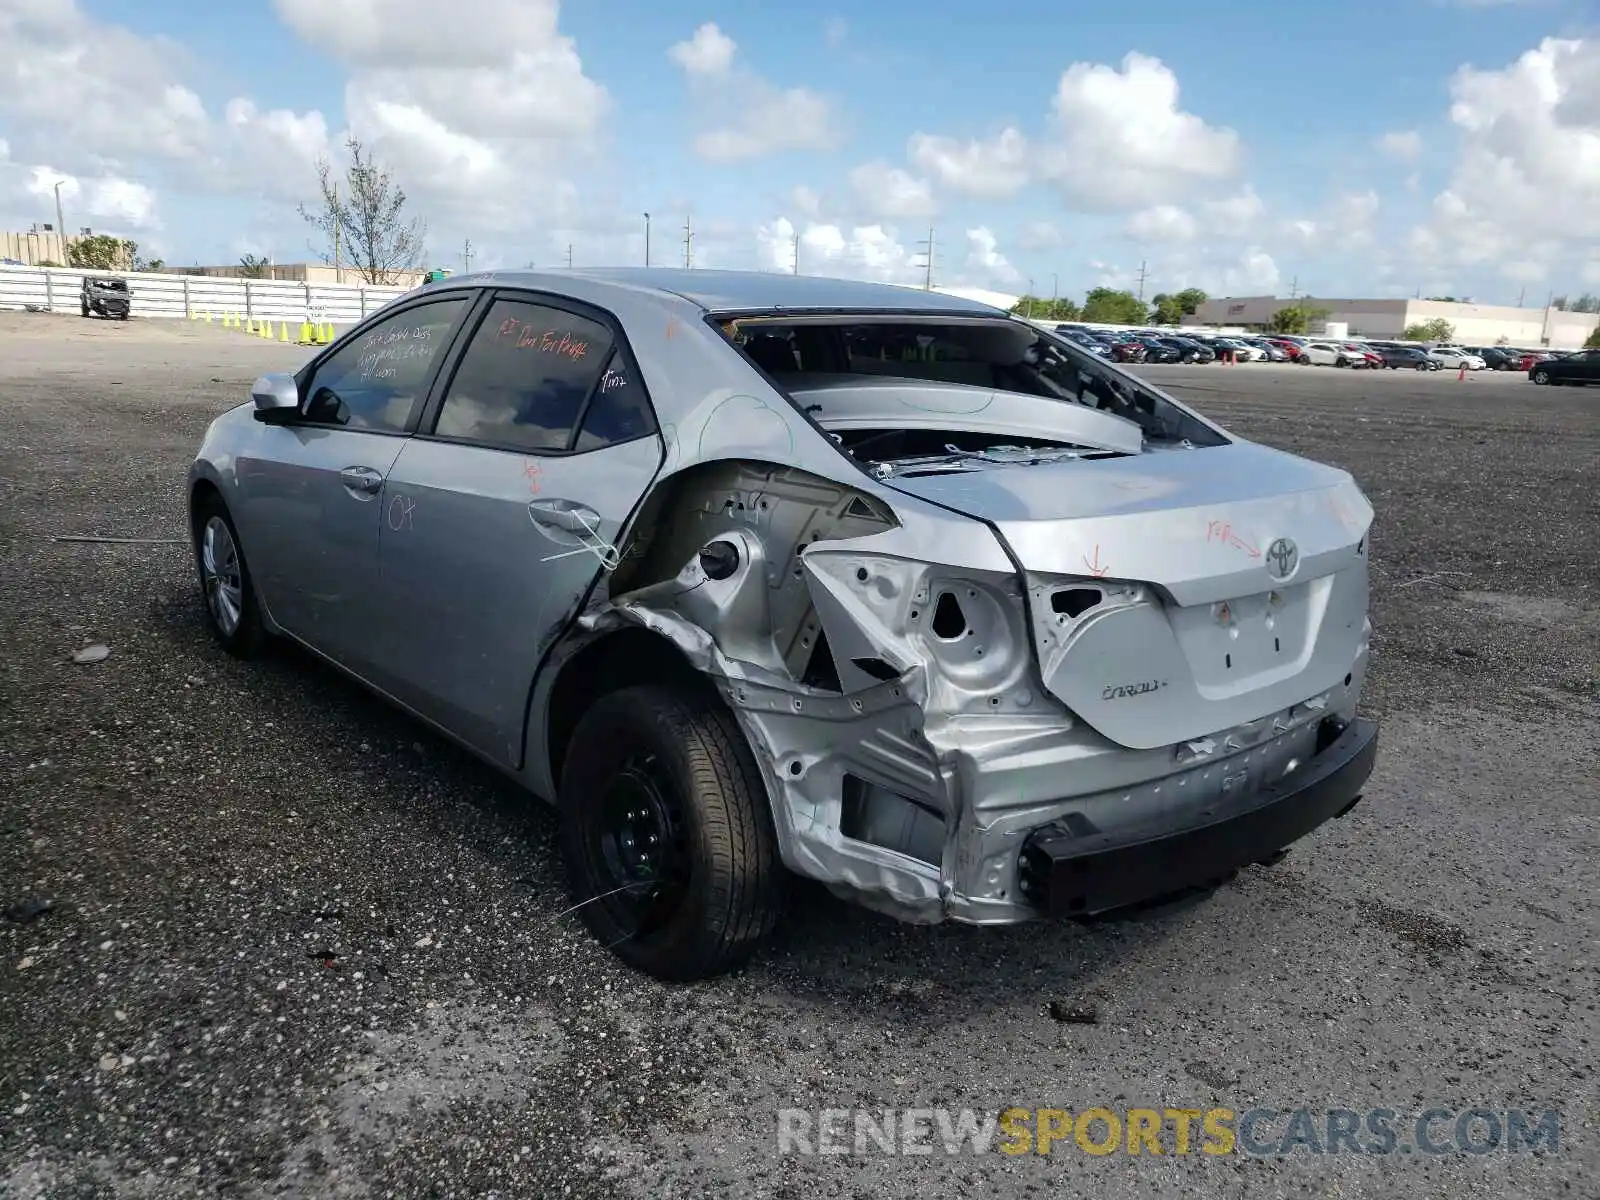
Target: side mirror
276,397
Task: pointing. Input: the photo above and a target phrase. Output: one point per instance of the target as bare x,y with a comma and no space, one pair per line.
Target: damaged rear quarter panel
873,644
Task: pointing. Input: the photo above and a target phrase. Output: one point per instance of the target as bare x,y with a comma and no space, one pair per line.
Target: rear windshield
988,353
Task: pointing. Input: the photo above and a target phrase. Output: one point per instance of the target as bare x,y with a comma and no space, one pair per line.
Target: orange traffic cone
1461,375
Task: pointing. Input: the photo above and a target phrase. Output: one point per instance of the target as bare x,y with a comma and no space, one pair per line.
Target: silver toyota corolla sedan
753,575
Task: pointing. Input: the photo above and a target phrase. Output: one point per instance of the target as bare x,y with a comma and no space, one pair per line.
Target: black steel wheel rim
639,845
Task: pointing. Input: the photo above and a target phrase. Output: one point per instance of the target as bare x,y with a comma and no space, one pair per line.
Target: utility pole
1522,295
1294,287
1143,274
797,252
569,256
61,227
647,239
466,257
688,241
927,248
1055,291
1029,306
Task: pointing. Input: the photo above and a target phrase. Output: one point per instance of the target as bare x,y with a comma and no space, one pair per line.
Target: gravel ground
298,946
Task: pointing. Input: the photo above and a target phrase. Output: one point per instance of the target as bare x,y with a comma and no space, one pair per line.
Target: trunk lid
1177,593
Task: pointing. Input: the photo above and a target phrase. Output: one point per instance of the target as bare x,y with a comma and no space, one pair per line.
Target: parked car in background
1526,358
1363,355
1157,350
1191,351
1273,351
1293,349
105,296
1324,354
1409,357
1496,358
1085,339
1125,349
1581,366
812,582
1456,357
1241,351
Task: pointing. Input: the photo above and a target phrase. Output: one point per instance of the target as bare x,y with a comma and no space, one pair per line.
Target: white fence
56,289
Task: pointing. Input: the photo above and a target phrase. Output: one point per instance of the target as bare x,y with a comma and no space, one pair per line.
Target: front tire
1541,376
226,588
666,833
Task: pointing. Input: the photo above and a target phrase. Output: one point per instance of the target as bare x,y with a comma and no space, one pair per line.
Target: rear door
503,511
312,490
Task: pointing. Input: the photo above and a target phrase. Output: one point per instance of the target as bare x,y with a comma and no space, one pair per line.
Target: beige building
1475,324
39,245
316,273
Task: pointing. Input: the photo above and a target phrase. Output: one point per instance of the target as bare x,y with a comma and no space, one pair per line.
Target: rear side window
375,381
618,411
524,378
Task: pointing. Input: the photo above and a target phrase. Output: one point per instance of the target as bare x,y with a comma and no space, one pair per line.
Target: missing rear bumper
1070,868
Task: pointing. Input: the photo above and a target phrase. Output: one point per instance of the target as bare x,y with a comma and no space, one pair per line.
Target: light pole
647,239
61,228
1030,296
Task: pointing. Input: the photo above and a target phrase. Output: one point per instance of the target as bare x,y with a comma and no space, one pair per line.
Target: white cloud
860,252
463,102
1037,236
1526,185
836,32
1255,274
885,191
984,260
769,122
806,200
1403,145
750,117
97,90
1236,215
709,52
106,203
985,168
1120,141
1162,223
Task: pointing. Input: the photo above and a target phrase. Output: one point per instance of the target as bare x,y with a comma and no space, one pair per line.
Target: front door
504,510
313,490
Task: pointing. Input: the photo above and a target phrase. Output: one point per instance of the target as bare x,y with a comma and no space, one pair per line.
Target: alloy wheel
223,578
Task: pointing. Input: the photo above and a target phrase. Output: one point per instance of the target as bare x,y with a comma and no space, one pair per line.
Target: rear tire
667,835
1541,376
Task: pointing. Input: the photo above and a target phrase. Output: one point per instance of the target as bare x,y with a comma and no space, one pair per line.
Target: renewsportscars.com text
1256,1132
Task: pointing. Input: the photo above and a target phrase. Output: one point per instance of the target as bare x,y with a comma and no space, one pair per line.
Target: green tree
363,219
1041,309
1297,318
255,266
1171,309
101,252
1586,303
1113,307
1593,340
144,264
1436,330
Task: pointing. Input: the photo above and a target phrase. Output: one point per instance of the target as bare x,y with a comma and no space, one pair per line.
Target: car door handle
362,479
565,514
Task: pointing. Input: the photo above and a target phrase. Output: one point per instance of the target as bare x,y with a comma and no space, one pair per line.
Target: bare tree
364,221
255,266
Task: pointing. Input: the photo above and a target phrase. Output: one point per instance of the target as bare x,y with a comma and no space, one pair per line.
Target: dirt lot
300,947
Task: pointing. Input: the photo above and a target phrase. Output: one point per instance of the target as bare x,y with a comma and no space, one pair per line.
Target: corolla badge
1283,556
